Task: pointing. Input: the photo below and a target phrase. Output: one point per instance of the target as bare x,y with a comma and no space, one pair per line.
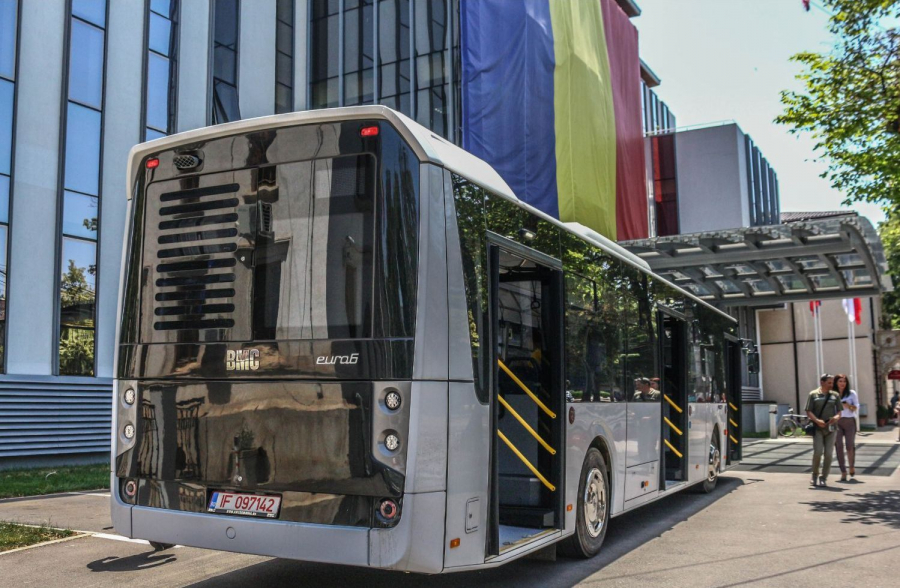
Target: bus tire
157,546
592,515
713,464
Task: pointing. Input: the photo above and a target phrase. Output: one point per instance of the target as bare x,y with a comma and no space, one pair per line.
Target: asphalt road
761,528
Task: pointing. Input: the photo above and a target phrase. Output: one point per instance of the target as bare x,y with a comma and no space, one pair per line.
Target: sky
723,60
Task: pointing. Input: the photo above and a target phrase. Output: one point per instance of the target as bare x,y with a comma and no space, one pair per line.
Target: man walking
823,407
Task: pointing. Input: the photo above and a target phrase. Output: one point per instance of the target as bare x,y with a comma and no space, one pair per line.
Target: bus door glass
527,400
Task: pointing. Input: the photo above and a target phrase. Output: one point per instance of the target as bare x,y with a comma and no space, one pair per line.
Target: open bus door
734,374
528,399
674,344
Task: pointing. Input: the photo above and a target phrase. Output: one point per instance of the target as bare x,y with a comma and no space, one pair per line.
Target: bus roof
428,147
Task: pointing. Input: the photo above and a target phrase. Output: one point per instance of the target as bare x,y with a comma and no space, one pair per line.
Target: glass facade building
80,182
91,78
8,42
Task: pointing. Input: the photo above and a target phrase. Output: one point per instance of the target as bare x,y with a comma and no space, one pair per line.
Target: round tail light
130,488
388,509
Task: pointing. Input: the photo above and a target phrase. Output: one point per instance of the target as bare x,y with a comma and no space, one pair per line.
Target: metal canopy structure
812,259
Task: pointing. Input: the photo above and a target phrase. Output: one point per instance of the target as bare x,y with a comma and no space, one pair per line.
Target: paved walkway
759,527
875,456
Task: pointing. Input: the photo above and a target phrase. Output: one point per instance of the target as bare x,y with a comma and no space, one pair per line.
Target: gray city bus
343,339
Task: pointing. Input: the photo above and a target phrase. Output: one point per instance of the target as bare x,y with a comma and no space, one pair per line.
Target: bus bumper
414,545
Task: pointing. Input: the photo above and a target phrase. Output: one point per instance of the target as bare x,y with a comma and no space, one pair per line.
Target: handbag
810,427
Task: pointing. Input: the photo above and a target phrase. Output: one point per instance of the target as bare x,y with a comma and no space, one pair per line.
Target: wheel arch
602,446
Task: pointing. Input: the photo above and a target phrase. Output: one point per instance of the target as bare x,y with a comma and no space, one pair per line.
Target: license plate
248,505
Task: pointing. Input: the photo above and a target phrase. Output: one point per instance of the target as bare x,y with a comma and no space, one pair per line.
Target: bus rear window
313,272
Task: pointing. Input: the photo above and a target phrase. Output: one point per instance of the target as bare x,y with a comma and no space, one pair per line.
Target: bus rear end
265,387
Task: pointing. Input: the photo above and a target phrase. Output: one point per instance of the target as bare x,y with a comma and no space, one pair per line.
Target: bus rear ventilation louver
186,161
195,247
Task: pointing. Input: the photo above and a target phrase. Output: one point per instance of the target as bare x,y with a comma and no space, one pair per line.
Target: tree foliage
850,103
889,231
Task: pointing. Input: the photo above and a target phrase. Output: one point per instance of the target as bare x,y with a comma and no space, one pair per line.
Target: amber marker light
454,543
568,508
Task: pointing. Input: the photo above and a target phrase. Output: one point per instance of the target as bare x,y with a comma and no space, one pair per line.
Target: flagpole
816,340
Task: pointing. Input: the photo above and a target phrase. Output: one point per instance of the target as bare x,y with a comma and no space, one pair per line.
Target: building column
33,267
193,65
301,50
121,131
256,58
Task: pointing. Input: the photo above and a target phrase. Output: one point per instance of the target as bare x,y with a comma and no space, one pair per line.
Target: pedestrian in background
823,407
846,425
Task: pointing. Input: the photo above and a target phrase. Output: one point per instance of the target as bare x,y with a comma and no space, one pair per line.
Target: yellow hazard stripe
669,400
733,407
537,400
527,427
671,424
733,424
526,462
669,445
733,440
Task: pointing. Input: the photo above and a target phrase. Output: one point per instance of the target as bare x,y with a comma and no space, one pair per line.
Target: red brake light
152,163
368,132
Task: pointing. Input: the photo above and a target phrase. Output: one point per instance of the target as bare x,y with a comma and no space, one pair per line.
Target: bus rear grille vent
195,248
186,161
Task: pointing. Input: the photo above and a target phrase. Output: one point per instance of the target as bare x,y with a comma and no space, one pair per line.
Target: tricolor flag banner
551,99
853,308
814,306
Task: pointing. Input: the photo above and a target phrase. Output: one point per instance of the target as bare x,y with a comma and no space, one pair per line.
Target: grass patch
33,482
757,435
14,536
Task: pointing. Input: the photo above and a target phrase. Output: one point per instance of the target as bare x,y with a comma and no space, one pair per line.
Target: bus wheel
157,546
592,515
715,461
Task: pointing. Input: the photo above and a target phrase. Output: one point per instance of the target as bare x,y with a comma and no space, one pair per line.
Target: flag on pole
814,306
853,308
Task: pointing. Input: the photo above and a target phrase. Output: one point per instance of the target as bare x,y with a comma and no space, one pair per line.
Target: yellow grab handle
671,424
733,407
733,424
675,406
735,441
524,424
669,445
537,400
526,462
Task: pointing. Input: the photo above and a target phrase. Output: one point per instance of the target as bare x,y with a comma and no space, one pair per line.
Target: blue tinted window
90,10
157,91
6,123
82,149
86,64
160,33
153,134
163,7
226,27
4,199
76,313
225,103
83,254
80,215
7,38
225,65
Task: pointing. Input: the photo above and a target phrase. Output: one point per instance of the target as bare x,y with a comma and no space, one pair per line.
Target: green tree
76,345
850,103
889,231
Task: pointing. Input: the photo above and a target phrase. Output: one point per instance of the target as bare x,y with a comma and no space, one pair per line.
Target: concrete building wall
712,179
785,379
33,243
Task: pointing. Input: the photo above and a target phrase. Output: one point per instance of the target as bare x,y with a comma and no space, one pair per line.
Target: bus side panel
718,415
468,468
415,544
426,453
606,420
431,355
698,440
644,420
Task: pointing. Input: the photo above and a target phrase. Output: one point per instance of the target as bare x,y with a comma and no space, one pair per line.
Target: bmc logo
241,360
341,359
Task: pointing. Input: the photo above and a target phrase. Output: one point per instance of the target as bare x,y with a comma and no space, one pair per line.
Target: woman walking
846,431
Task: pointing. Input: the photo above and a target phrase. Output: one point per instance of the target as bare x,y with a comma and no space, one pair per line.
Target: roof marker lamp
368,132
152,163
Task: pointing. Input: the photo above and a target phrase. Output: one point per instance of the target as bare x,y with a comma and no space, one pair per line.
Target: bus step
523,516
